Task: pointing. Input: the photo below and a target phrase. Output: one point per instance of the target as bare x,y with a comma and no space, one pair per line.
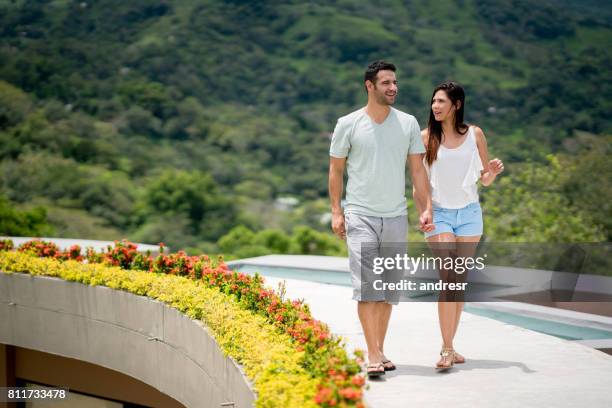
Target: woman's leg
442,246
466,247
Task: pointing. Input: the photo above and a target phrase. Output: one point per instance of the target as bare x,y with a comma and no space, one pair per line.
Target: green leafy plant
323,358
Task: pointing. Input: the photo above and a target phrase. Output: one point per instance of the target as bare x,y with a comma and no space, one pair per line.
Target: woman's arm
491,168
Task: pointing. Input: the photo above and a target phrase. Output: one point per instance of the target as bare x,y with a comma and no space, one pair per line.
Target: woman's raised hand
496,166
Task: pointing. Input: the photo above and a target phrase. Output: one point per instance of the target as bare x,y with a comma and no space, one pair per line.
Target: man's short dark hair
373,68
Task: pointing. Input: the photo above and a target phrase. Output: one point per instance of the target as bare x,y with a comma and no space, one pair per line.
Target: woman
456,158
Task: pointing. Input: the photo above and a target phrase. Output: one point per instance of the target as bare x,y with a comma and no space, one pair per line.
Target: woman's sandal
388,364
458,358
448,359
375,370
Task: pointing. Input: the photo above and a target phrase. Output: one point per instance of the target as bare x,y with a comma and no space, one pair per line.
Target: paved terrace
507,366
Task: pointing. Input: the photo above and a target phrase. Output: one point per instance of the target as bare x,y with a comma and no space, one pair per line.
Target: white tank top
454,174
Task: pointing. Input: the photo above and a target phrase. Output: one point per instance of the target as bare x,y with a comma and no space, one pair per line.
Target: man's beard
382,99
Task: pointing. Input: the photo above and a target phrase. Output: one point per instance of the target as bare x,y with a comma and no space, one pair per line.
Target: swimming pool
340,278
557,329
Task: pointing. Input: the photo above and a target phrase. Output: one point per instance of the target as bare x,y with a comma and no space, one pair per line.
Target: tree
308,241
14,105
194,195
528,205
30,223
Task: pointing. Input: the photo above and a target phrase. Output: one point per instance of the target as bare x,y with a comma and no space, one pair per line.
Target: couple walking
446,161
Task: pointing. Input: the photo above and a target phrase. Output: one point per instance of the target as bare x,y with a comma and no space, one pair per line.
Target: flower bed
292,359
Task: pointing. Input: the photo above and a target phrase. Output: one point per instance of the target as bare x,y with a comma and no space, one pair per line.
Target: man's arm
420,191
336,174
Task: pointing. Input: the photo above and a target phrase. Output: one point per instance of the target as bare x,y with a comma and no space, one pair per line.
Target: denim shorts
463,222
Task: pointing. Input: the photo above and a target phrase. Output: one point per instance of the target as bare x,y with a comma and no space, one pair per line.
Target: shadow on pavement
430,371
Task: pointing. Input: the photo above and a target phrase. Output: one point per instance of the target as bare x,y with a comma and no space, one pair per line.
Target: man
374,143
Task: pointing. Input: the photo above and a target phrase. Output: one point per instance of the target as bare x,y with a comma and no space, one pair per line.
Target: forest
206,124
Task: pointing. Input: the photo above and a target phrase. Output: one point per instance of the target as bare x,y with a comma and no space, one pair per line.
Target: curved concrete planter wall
132,334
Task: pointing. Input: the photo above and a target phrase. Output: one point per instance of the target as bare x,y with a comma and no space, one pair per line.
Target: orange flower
350,393
358,380
323,395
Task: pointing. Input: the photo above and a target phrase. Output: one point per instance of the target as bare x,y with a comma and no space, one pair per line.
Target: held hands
339,228
338,225
426,221
496,166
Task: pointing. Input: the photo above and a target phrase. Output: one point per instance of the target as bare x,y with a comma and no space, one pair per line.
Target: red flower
323,395
358,380
350,393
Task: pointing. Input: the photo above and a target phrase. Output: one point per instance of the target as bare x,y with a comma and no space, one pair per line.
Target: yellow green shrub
268,357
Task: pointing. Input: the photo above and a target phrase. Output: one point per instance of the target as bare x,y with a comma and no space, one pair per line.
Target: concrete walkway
507,366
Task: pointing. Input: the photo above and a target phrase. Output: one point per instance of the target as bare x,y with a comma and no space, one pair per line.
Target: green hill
178,120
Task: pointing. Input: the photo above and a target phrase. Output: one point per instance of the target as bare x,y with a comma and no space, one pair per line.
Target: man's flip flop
389,366
375,370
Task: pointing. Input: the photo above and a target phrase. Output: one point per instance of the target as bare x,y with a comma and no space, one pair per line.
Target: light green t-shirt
376,160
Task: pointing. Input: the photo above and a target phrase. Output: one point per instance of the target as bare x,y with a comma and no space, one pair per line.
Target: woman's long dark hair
455,93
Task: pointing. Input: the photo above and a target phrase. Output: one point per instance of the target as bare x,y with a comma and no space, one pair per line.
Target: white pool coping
314,262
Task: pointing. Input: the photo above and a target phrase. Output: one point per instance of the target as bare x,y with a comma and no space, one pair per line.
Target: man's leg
384,314
368,316
362,241
394,236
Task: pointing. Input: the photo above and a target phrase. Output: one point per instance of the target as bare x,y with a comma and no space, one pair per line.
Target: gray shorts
368,238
